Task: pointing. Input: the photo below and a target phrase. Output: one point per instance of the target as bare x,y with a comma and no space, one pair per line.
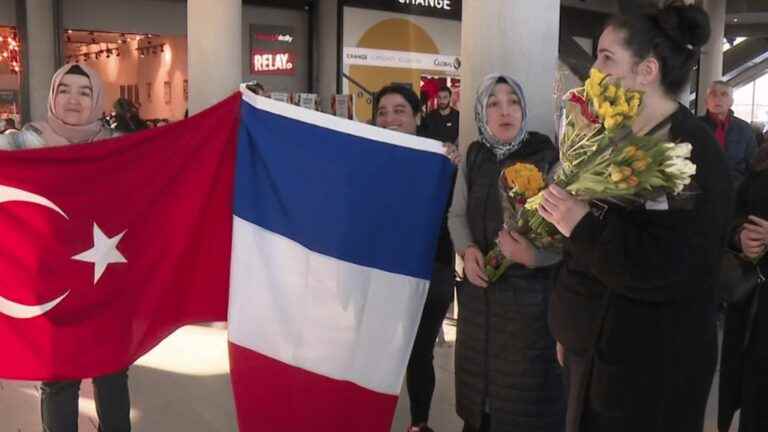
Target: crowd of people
619,331
615,333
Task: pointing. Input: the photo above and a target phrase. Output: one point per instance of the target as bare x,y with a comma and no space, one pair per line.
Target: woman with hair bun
634,305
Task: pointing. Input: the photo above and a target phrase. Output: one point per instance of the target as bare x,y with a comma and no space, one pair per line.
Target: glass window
10,79
761,99
742,102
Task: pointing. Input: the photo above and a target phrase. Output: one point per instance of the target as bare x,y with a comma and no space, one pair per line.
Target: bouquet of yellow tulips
519,182
602,158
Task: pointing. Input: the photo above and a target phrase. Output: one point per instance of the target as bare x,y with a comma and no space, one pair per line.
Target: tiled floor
183,385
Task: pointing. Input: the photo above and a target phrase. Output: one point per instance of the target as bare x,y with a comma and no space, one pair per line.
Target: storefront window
386,44
10,79
148,71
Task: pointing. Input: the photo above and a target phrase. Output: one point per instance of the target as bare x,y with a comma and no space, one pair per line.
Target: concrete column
326,67
215,50
519,40
41,55
712,53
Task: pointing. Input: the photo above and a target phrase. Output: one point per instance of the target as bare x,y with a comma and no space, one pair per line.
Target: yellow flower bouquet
602,158
519,182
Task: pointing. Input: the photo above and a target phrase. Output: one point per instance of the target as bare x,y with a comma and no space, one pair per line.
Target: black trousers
59,404
483,427
420,375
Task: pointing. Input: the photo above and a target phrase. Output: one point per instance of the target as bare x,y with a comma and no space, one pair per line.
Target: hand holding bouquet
518,183
600,158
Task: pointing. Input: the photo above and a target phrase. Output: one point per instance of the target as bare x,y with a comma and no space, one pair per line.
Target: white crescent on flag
11,308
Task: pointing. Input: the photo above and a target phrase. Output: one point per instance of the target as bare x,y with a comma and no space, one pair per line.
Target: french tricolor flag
334,236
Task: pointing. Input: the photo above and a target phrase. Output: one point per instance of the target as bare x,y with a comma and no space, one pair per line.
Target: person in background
507,378
74,105
127,117
734,135
398,109
442,123
257,88
10,126
744,361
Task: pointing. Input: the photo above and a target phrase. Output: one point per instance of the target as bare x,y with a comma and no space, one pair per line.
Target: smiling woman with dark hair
397,108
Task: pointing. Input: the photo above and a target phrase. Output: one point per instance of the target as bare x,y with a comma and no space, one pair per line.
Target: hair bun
686,25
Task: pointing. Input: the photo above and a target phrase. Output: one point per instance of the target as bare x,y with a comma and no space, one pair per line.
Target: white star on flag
103,253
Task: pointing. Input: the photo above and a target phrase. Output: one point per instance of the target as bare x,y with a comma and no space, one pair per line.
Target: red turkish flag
108,247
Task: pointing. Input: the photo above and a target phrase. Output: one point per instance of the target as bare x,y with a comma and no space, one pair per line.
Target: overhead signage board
272,50
401,59
448,9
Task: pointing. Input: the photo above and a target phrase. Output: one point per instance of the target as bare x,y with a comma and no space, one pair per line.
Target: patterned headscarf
500,148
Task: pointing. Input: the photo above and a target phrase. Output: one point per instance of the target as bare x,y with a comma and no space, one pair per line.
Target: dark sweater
445,253
444,128
635,296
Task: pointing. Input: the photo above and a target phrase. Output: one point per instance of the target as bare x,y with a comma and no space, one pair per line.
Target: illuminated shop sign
449,9
272,62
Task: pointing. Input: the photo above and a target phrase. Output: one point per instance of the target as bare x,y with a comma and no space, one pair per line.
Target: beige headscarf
55,132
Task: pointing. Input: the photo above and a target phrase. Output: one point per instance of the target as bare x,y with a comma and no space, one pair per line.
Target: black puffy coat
505,354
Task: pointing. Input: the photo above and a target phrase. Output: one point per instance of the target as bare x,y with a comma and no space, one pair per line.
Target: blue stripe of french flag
335,229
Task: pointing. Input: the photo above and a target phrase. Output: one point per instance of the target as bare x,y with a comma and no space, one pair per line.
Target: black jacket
635,299
445,253
505,356
744,371
440,127
740,146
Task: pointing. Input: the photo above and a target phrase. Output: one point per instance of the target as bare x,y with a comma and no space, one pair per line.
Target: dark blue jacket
740,146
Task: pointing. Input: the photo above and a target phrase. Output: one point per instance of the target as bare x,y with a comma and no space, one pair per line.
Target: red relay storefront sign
273,62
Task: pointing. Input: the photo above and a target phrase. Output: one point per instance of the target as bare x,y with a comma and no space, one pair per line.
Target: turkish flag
108,247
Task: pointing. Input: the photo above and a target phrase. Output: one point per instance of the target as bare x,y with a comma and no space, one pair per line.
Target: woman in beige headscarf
74,105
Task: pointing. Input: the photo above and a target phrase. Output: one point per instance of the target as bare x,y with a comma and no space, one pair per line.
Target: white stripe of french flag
335,229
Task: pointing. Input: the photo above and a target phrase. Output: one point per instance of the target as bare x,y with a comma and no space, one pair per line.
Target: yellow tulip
596,102
634,95
613,122
616,174
629,151
640,165
606,109
621,107
594,89
596,75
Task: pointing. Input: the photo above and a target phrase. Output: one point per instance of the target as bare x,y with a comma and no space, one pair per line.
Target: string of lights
110,45
10,51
